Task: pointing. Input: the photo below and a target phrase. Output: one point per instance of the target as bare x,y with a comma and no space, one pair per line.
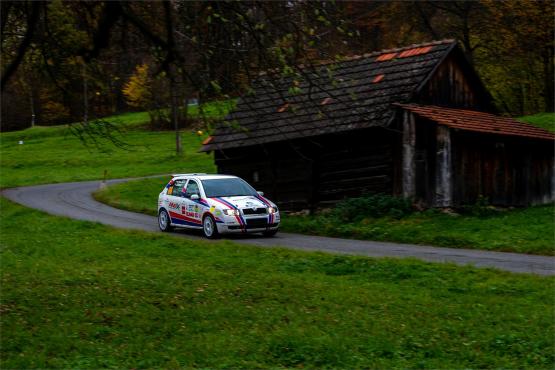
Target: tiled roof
360,91
469,120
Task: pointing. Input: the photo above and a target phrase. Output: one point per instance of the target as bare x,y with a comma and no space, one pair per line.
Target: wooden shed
414,121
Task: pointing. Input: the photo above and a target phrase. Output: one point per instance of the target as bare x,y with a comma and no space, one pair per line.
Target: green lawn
54,155
83,295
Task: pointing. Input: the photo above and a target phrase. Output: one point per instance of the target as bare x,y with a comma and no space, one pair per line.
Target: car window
178,186
227,187
192,188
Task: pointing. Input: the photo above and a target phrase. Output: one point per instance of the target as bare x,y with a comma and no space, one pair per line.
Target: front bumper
232,229
246,224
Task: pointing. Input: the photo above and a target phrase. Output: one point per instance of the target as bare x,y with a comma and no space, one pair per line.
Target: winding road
75,200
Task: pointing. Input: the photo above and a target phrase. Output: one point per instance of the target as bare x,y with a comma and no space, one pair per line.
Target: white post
409,165
444,174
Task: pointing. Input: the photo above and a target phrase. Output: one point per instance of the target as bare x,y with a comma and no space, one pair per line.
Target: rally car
217,204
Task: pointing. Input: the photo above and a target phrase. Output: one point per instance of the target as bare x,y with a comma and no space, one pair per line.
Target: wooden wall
507,170
452,85
316,172
355,163
280,170
425,161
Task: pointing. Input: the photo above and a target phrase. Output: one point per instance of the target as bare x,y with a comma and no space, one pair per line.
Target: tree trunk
175,118
32,105
85,96
549,80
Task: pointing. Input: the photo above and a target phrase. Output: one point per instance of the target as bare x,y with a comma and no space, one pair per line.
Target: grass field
53,154
82,295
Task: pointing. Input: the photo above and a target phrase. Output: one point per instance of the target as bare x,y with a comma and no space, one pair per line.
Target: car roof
201,176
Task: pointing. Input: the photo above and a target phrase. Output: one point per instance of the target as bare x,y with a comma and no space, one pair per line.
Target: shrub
481,208
372,205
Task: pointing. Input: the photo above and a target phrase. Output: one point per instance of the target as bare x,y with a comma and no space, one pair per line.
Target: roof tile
384,57
378,78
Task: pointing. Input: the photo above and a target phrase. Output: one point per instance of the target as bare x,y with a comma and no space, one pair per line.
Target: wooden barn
414,122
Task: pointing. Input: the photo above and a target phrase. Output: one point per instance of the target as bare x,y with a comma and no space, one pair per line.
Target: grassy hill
54,154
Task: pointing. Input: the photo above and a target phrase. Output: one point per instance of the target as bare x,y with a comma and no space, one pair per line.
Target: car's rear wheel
270,233
209,227
164,221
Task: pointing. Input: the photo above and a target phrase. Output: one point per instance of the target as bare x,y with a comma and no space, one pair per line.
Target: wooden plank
409,166
444,168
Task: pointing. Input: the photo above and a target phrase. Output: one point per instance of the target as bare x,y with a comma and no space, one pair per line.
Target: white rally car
216,204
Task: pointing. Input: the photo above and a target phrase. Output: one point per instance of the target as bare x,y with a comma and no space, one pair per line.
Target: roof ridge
412,46
366,55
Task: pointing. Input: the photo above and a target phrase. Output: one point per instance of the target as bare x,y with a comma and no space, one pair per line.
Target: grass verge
544,120
82,295
528,230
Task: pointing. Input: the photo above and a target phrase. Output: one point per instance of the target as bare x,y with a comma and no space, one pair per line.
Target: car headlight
272,210
231,212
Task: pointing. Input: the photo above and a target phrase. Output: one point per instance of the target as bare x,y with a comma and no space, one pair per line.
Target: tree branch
32,20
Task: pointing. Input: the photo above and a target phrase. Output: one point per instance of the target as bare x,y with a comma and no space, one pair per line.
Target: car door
193,210
175,200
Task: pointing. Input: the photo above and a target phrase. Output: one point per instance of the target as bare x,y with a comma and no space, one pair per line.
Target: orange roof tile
469,120
384,57
415,51
378,78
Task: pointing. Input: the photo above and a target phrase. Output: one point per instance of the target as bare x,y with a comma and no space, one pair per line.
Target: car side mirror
261,193
195,197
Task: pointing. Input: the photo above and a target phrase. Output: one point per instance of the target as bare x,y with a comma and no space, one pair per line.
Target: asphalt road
74,200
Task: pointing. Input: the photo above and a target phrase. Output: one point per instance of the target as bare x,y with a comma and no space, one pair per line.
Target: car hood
247,201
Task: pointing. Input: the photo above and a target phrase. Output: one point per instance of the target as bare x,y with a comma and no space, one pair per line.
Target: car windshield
229,187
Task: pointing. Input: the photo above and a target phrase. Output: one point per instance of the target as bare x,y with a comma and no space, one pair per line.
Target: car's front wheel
209,227
164,221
